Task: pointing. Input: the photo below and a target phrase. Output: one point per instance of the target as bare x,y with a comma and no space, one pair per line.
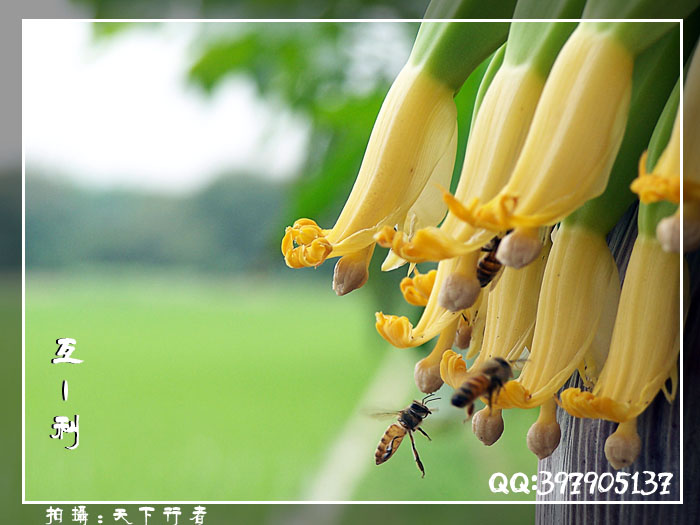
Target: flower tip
304,244
487,425
458,292
543,438
668,232
519,248
349,275
427,376
394,329
416,290
622,447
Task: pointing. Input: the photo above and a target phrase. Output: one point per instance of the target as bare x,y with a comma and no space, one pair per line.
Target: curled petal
654,187
395,329
416,290
304,244
428,244
513,395
453,369
584,404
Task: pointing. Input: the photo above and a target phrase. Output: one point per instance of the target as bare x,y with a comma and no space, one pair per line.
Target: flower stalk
575,133
411,148
645,340
507,100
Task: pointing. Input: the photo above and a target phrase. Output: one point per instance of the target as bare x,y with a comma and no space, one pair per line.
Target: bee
488,265
409,420
489,378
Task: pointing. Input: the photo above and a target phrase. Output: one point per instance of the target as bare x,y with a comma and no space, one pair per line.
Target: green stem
465,9
466,111
548,9
650,214
491,70
635,36
644,9
537,44
450,51
655,72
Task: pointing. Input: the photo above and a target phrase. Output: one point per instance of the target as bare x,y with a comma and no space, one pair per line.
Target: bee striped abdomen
389,443
488,265
472,388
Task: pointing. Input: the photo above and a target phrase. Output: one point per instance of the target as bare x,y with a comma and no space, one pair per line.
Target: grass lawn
189,389
210,389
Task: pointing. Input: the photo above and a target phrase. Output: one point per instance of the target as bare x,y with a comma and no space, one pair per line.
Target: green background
211,371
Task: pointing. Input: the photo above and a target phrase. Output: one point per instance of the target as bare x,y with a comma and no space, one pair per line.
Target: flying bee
488,266
488,379
409,420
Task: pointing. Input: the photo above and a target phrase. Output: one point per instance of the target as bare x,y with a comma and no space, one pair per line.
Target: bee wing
518,364
380,414
519,349
389,443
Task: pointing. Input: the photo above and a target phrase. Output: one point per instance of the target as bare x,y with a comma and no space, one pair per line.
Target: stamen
668,232
427,371
519,248
487,425
624,445
458,292
464,333
544,435
352,271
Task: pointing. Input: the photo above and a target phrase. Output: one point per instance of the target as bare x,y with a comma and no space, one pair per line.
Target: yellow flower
509,325
645,340
495,141
580,289
643,351
573,140
665,181
457,276
413,142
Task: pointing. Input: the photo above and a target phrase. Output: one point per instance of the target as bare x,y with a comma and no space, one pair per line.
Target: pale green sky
119,113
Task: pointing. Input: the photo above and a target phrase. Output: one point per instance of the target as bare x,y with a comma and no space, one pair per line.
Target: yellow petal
573,140
416,290
512,310
495,141
579,280
413,137
645,341
401,333
664,184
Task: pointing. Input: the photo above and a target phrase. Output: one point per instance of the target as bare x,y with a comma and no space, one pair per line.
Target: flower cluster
566,115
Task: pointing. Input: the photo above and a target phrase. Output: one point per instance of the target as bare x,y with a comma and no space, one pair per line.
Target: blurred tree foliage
311,69
216,229
254,9
332,75
11,219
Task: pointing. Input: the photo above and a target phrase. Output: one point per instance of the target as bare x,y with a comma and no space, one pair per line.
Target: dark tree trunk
659,427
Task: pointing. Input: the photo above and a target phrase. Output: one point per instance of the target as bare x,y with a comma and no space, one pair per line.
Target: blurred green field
209,389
